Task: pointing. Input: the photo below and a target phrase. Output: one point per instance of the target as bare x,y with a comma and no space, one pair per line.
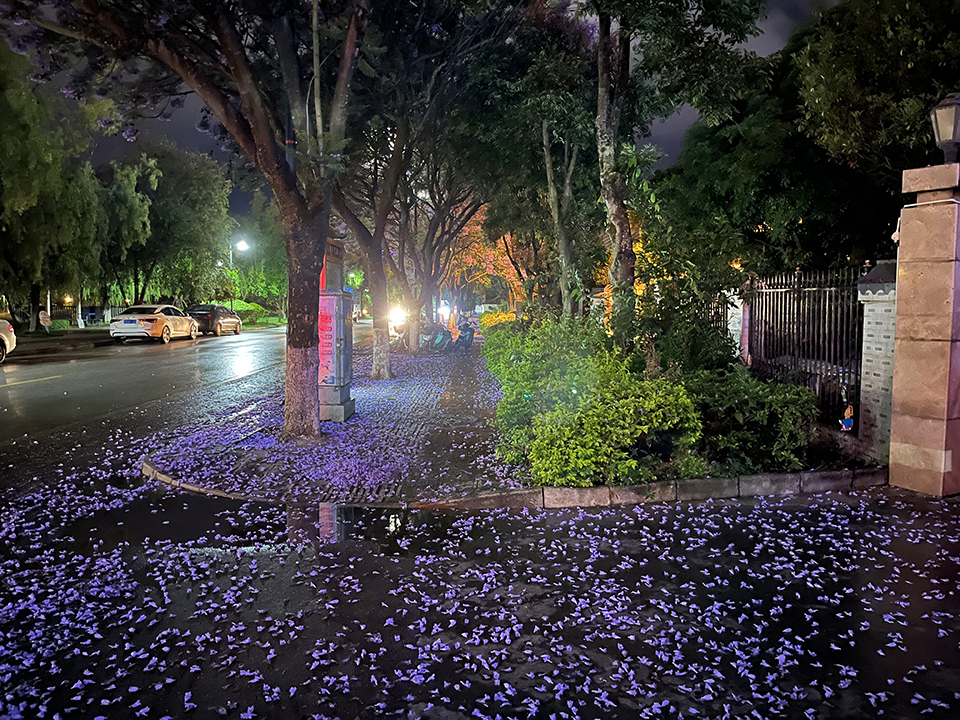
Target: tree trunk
381,369
34,306
558,212
137,298
613,66
301,412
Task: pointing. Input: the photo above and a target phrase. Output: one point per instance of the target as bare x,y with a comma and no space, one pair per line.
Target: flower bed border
804,483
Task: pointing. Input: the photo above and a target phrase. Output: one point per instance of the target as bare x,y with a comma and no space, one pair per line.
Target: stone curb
151,471
27,351
806,483
668,491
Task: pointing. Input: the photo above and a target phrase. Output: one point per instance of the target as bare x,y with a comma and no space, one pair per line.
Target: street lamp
242,246
946,126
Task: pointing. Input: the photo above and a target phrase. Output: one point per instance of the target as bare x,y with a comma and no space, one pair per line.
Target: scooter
438,339
465,338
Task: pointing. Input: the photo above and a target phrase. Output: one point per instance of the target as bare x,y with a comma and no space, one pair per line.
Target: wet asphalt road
48,394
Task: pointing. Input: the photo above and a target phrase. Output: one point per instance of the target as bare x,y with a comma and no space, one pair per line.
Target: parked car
215,319
8,339
160,322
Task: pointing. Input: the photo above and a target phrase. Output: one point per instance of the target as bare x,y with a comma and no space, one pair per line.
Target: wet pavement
137,602
420,437
122,598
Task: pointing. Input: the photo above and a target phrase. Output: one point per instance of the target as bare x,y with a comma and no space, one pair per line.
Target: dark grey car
215,319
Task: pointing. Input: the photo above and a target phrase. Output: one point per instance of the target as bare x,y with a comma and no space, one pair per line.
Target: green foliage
59,324
50,210
249,312
749,424
190,227
261,274
756,190
624,432
571,405
870,73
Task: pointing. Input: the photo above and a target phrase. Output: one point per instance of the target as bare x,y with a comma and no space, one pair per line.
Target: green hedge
250,313
580,413
751,425
60,325
572,409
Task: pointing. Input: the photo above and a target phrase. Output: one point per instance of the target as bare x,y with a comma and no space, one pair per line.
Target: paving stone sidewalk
422,437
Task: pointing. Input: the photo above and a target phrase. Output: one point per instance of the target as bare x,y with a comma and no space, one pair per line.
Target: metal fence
806,328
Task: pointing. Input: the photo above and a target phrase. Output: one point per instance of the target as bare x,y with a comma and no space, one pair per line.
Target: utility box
335,326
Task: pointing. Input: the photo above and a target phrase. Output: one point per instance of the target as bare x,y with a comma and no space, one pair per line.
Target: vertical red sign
326,327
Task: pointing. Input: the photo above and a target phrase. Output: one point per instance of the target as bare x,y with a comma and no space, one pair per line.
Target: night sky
783,17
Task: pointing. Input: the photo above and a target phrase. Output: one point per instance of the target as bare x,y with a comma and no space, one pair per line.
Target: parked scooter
436,338
465,338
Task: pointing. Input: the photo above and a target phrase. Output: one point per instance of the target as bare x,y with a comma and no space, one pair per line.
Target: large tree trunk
301,412
34,306
613,66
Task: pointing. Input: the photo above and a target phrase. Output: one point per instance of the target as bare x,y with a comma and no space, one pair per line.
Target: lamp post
946,126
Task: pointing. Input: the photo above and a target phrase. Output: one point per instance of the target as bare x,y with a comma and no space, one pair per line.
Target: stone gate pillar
925,427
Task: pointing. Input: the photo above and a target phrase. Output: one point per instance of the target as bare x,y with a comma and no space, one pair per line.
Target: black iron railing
806,328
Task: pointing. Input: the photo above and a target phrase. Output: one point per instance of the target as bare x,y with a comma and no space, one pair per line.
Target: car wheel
119,340
165,335
218,329
3,351
193,332
236,329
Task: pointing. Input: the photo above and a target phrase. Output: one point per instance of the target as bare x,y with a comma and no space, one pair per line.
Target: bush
250,313
571,407
490,319
60,325
750,424
539,368
627,431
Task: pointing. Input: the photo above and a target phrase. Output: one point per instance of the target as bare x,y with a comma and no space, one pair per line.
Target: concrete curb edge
805,483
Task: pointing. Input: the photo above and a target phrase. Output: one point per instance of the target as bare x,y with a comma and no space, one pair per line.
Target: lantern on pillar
946,126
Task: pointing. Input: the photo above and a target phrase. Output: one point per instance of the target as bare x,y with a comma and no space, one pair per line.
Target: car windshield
200,308
140,310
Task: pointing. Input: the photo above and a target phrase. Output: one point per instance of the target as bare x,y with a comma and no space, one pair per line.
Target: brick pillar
925,428
878,294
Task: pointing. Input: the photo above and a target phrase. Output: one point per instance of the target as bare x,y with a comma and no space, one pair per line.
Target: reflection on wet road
77,387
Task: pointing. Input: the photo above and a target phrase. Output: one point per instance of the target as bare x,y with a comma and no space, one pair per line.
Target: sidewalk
421,437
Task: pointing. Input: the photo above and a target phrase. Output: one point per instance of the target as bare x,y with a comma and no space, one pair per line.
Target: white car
8,339
159,322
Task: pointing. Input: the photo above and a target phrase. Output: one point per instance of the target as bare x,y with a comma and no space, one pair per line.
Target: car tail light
149,319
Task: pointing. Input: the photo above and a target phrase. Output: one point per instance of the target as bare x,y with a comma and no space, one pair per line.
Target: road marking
24,382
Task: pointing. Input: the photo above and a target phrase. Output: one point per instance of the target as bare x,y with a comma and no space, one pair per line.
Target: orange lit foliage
477,261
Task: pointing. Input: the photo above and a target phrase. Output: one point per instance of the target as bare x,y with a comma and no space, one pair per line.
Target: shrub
539,368
627,431
490,319
250,313
60,325
750,424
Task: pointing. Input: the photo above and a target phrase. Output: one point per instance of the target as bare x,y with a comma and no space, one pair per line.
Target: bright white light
398,316
242,246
